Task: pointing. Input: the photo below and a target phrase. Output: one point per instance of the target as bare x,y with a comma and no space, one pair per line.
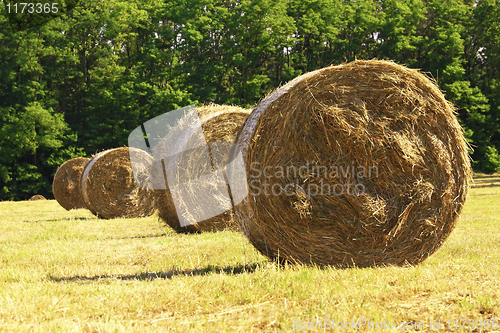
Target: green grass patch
69,271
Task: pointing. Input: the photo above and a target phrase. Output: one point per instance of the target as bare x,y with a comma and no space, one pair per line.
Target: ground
67,271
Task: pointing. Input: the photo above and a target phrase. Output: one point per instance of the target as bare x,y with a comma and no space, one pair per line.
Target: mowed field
66,271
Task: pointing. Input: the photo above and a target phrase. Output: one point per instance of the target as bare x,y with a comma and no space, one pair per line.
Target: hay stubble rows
67,270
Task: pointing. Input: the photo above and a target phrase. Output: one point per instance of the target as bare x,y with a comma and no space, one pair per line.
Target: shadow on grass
62,219
149,276
485,175
485,185
487,178
484,181
139,237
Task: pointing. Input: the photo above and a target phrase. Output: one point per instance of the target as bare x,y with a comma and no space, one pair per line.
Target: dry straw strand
66,183
109,188
220,124
398,138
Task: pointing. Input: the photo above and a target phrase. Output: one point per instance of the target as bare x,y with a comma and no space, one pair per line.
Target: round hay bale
37,197
220,124
108,186
362,164
66,184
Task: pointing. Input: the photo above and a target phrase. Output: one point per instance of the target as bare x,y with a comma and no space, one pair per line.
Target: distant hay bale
37,197
108,186
366,163
220,124
66,184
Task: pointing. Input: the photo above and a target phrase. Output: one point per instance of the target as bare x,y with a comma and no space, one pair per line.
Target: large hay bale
219,124
366,163
109,188
66,184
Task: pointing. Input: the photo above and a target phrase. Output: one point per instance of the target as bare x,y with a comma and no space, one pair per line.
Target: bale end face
66,184
109,188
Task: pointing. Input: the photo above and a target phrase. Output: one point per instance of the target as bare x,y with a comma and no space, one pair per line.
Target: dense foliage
80,83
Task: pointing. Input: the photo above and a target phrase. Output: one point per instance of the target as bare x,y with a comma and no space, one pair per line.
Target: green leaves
79,83
491,161
474,114
27,136
42,128
26,131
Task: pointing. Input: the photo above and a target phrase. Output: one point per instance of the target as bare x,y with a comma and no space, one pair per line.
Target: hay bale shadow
483,180
149,276
62,219
140,236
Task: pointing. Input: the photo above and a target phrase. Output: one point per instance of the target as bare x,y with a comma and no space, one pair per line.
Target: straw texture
66,184
220,124
367,166
109,189
37,197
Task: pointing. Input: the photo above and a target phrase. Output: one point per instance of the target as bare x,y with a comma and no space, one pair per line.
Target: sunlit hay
109,188
396,177
37,197
220,124
66,184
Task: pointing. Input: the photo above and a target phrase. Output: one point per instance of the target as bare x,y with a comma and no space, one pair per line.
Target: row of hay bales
104,185
363,115
220,124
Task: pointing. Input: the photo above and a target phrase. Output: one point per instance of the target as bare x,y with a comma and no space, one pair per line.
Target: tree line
81,82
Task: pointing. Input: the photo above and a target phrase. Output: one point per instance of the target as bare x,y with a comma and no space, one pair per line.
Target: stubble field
66,271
